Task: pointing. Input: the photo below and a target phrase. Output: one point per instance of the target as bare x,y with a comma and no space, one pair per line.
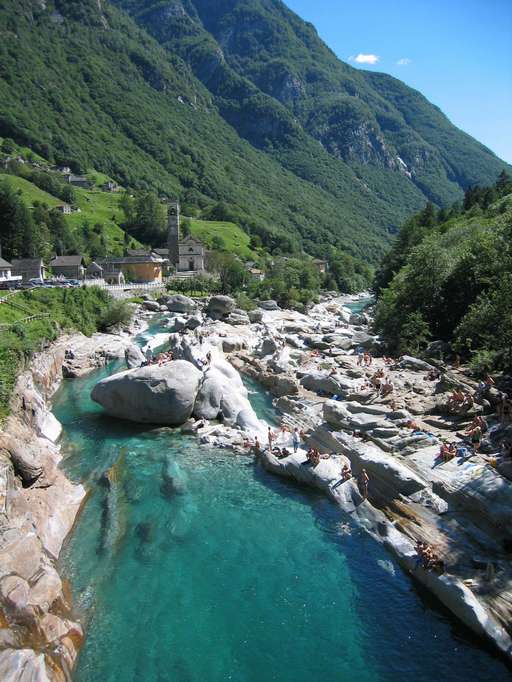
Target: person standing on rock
295,439
149,355
257,447
270,438
362,482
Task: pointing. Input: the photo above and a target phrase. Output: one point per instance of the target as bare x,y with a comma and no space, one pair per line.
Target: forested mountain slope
274,80
238,108
449,278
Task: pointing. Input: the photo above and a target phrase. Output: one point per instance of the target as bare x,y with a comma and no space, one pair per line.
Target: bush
118,313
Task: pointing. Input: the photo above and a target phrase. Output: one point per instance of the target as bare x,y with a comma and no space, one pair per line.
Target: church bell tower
173,235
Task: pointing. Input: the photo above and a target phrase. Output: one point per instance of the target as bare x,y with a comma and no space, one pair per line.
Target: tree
232,274
146,219
18,236
8,145
218,244
186,227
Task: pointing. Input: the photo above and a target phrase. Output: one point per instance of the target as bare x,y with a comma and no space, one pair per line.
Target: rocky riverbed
311,364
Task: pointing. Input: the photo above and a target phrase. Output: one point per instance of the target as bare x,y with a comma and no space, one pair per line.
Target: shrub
118,313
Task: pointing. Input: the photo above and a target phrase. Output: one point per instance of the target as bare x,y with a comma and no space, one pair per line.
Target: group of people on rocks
460,400
382,383
364,358
427,558
160,359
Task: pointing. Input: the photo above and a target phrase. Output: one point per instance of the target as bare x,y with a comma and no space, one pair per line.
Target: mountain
238,107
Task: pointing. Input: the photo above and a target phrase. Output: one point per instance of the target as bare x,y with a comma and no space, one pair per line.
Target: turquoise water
199,566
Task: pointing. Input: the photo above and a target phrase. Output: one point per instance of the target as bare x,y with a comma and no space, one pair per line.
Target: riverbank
38,508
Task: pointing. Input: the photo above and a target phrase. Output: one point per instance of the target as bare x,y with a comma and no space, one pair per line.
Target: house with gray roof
71,267
29,268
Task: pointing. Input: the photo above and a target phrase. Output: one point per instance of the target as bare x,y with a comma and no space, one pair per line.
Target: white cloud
405,61
365,58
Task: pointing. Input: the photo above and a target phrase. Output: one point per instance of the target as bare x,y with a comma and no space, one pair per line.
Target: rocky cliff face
38,506
39,640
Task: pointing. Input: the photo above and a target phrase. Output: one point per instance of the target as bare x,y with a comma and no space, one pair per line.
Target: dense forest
448,277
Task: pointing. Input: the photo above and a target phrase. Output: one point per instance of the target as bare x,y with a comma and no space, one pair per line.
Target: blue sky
458,53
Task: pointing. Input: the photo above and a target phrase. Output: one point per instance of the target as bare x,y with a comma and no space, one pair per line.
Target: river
224,572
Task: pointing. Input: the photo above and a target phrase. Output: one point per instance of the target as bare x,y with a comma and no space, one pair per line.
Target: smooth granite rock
220,306
180,304
151,395
133,356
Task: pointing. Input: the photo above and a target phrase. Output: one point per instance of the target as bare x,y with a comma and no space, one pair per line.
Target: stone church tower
173,236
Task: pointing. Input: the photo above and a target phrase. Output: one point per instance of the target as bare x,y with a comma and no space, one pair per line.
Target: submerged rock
151,395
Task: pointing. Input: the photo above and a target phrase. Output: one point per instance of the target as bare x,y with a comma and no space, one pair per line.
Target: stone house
7,278
71,267
191,255
110,186
78,181
94,271
29,268
65,209
256,274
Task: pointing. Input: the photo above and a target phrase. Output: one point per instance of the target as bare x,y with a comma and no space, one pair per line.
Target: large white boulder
220,306
151,395
180,304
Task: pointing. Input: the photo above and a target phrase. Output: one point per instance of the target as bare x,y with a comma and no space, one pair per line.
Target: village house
29,268
256,274
65,209
110,186
71,267
65,170
78,181
320,265
94,271
144,268
7,279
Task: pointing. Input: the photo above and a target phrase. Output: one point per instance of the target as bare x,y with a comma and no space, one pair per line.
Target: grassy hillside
30,192
233,238
84,310
102,208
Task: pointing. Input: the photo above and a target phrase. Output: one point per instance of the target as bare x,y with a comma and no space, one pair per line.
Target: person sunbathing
457,397
386,388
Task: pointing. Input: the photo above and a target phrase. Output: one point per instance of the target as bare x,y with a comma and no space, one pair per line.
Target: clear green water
236,575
